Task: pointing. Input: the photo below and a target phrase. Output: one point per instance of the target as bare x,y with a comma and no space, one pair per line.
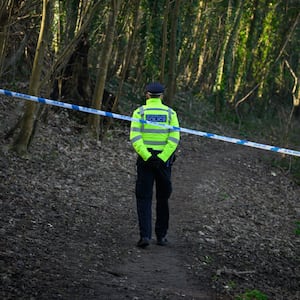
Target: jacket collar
154,101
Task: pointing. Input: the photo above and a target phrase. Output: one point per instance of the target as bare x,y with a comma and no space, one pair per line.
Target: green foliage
207,260
231,285
252,295
259,37
196,111
152,34
297,230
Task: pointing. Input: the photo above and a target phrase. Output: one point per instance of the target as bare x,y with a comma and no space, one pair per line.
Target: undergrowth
267,127
297,230
252,295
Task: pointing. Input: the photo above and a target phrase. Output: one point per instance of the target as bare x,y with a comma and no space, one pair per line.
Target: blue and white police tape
127,118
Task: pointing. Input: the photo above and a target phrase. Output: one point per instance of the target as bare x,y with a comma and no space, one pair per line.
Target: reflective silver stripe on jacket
170,138
135,129
174,140
155,143
136,138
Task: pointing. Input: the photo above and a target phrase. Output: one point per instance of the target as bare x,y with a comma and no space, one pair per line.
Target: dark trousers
146,176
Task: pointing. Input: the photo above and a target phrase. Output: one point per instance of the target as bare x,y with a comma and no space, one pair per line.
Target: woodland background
230,67
229,61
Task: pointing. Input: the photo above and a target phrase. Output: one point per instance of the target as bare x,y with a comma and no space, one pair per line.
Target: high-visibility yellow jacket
147,136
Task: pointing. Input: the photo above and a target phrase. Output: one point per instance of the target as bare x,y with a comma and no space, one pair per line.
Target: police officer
155,147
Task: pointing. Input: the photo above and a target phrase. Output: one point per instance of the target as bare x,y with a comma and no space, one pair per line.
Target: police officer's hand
154,162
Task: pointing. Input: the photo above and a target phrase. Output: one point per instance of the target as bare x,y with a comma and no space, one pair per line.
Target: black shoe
162,241
143,242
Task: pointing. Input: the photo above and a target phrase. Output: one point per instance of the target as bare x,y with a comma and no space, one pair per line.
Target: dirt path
227,212
157,273
69,228
221,195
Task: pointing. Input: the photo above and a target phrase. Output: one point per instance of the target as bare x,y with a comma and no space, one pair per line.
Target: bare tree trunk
83,8
187,56
23,139
94,120
65,55
5,13
296,100
173,55
296,96
164,41
217,89
128,53
201,58
229,71
125,65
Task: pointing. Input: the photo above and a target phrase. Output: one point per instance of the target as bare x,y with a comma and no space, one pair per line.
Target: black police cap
155,88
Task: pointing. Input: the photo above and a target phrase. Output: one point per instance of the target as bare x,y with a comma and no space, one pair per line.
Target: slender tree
126,62
130,47
6,7
164,41
173,54
23,139
104,58
218,88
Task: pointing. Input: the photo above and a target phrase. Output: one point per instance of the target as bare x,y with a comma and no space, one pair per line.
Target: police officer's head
154,90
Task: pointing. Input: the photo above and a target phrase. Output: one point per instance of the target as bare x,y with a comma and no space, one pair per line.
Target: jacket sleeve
173,139
136,137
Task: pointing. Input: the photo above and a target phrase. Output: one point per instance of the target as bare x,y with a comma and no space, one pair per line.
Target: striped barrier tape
127,118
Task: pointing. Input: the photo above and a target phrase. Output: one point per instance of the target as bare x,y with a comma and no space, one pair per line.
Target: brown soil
69,228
